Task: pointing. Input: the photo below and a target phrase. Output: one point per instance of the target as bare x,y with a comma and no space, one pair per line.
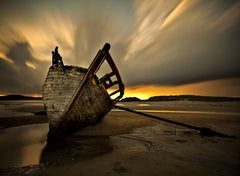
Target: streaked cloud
188,48
154,42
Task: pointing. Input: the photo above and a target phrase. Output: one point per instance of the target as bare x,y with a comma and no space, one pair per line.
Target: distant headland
183,98
19,97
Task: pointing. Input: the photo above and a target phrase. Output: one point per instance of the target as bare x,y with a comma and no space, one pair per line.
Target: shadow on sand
75,148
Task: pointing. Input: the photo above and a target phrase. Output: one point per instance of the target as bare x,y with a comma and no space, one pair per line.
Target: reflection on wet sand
191,112
26,145
22,146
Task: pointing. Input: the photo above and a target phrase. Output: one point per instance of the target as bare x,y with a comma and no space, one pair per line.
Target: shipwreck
74,97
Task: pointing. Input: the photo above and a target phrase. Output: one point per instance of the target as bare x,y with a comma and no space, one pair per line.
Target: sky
160,47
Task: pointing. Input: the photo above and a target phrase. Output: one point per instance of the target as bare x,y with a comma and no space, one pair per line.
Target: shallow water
185,107
227,107
26,145
185,112
22,146
10,108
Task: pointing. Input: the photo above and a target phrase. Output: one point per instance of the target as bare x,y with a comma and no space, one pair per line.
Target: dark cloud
17,77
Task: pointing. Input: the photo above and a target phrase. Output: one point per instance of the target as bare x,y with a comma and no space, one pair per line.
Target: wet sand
128,144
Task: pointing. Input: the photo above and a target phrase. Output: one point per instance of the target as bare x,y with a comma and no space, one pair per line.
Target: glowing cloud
31,65
4,57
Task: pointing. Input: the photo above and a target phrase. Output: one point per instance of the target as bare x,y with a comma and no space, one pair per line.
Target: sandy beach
124,143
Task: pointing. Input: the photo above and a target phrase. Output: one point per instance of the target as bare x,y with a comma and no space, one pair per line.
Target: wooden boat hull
74,97
92,105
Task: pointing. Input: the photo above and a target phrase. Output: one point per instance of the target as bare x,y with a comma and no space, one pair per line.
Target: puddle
26,145
22,146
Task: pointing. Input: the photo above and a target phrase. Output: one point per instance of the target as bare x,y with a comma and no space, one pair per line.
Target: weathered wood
59,87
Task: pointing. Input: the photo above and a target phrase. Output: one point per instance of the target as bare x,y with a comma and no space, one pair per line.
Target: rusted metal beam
203,131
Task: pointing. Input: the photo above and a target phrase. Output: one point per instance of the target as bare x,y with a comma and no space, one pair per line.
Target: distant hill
130,99
19,97
192,98
183,98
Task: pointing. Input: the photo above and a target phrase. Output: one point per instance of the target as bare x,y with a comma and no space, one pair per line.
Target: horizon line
30,96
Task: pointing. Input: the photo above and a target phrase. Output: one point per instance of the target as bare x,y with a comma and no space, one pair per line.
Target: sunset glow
208,88
36,95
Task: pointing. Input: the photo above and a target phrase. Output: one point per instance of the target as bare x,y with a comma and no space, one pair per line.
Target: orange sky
222,87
